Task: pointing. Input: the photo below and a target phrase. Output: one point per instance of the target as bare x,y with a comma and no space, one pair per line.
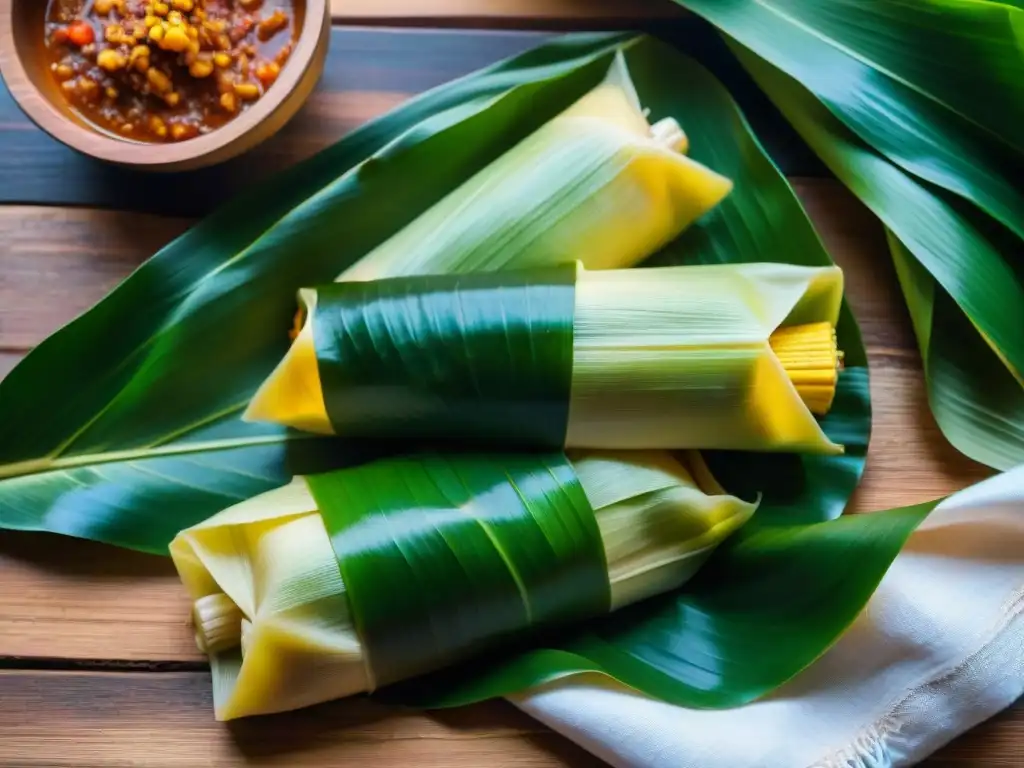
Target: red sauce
167,70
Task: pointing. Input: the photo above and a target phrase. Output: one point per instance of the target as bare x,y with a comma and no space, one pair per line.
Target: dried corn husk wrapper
738,356
272,611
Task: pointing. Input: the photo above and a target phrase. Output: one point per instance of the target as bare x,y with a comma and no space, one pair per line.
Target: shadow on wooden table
360,719
66,556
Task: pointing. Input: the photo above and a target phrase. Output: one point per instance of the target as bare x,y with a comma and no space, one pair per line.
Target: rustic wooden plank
57,262
545,14
78,719
71,599
7,361
996,743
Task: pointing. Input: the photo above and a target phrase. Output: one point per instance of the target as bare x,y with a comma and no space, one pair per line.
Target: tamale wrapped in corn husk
740,356
284,629
597,183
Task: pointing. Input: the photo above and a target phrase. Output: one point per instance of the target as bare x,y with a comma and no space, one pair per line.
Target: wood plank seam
64,664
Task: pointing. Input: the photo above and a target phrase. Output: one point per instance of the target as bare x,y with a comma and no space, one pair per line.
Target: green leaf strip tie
444,557
461,356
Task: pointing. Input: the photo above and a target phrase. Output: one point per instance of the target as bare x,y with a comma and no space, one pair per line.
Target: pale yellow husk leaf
263,575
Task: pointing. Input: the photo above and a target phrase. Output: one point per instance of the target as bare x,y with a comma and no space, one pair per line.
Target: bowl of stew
162,84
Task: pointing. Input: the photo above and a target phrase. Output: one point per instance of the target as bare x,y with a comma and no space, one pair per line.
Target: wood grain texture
148,720
544,14
164,720
70,256
996,743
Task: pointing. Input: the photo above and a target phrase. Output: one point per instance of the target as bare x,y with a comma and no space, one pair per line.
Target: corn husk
739,357
270,607
598,184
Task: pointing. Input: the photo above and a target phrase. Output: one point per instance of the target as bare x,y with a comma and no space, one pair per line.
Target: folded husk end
732,357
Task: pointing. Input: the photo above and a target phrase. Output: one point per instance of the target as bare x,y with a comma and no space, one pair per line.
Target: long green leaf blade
922,135
765,607
921,52
977,403
953,249
951,243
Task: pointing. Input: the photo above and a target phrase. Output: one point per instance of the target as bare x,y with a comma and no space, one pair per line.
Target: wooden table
97,665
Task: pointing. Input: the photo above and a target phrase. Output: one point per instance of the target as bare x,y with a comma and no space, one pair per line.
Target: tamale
598,183
741,357
273,613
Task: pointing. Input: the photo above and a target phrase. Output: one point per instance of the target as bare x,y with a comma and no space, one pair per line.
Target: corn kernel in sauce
167,70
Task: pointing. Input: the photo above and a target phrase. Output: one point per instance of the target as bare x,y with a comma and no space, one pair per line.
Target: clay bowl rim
314,38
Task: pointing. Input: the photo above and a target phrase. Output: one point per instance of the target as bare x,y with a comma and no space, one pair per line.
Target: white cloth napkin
939,649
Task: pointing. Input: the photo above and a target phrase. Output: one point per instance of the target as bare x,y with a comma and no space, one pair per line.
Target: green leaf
889,74
894,72
951,243
976,401
447,556
125,425
449,357
769,603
